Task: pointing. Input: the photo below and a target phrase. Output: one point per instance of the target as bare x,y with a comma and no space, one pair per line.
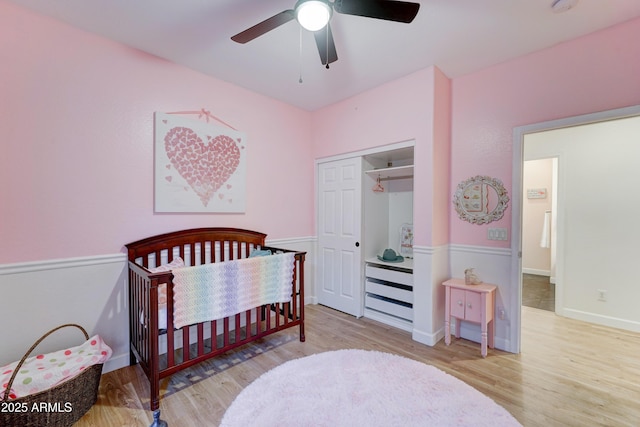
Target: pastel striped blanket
217,290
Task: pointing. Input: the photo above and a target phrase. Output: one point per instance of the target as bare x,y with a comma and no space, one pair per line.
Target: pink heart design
168,178
205,166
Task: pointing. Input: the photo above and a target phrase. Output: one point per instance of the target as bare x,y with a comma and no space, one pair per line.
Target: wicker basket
62,405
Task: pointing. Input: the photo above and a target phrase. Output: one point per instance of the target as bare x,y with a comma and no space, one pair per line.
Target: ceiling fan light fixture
313,15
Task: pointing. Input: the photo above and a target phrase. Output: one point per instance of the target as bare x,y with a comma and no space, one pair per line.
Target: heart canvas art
199,167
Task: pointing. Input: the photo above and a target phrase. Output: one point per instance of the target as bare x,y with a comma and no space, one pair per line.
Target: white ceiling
458,36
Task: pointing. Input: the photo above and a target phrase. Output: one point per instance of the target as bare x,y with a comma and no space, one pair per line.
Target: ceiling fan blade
399,11
326,46
264,27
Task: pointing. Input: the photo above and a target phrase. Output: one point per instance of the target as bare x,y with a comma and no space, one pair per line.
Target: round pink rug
359,387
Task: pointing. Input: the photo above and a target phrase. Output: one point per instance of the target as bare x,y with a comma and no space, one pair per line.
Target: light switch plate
497,234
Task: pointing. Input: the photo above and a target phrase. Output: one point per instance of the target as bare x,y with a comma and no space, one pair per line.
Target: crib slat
248,332
186,354
225,332
214,335
142,309
145,312
170,332
285,311
268,314
237,327
294,293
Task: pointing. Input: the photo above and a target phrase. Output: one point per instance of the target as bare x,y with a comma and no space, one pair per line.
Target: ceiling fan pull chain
300,79
327,31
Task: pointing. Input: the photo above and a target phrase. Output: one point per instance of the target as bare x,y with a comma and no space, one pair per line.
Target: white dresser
389,292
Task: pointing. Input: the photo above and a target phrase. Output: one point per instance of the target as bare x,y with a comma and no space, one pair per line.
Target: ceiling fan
314,15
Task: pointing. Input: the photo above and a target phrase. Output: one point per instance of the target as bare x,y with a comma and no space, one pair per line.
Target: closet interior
388,224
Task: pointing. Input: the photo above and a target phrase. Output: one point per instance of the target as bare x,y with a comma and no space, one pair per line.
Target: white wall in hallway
597,230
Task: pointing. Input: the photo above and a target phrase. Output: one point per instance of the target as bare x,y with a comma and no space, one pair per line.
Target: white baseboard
427,338
402,324
536,272
613,322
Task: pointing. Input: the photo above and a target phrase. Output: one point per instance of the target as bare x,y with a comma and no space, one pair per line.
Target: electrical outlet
602,295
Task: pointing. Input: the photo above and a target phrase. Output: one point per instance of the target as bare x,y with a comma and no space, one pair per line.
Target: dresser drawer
388,307
389,275
389,291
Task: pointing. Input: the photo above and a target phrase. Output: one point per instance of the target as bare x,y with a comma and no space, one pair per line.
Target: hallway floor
538,292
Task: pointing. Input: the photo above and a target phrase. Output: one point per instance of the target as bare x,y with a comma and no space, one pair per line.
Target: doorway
597,242
539,179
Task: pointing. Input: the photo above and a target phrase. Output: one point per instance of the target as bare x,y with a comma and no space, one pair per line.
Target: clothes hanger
378,188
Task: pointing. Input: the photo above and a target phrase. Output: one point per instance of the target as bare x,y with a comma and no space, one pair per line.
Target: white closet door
339,283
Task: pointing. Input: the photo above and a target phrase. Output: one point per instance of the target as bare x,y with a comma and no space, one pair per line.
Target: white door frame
516,192
317,162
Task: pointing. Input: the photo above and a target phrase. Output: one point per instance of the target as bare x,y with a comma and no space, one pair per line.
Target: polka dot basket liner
54,389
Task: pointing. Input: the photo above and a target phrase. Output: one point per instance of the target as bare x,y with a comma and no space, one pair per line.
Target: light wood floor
568,374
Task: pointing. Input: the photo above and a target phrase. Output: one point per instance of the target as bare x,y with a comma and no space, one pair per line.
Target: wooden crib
162,353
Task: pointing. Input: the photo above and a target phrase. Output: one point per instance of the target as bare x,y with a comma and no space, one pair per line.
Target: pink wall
597,72
441,165
393,112
77,119
397,111
77,150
